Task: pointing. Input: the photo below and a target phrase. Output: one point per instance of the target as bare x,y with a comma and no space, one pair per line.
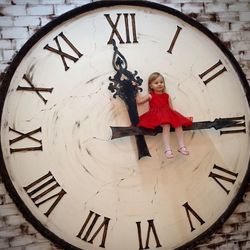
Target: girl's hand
142,99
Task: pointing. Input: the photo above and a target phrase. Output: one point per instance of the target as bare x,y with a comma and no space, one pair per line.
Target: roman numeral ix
23,136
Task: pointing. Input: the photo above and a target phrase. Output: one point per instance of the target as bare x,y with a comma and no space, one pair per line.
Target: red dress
160,113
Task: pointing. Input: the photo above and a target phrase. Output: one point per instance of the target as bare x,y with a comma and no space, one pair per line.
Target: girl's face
158,85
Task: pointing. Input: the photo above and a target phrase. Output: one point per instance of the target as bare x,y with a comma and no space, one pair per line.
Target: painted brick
176,6
8,209
27,21
44,20
245,35
231,36
39,246
21,240
3,67
245,16
192,8
217,27
8,54
60,9
6,21
81,2
14,220
10,232
4,243
245,55
41,10
14,32
238,6
26,1
54,1
19,43
215,7
228,16
13,10
238,26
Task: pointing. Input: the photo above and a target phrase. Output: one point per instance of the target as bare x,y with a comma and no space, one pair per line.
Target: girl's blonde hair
152,77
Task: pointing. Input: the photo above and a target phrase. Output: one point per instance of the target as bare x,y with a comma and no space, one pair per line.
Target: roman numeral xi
74,56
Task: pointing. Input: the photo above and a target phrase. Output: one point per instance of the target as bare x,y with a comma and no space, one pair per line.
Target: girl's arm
142,99
170,103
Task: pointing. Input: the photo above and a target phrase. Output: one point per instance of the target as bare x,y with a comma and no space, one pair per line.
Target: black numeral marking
32,88
40,189
23,136
104,226
234,122
211,77
151,227
178,30
114,26
62,53
224,177
191,210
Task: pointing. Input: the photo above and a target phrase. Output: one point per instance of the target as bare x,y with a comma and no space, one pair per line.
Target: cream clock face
85,189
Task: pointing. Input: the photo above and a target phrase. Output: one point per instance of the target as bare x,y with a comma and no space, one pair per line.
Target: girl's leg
180,138
166,140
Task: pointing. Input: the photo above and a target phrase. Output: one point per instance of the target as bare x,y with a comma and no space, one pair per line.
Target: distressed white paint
105,175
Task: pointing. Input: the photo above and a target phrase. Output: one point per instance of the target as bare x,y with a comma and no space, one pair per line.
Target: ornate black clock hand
218,123
125,84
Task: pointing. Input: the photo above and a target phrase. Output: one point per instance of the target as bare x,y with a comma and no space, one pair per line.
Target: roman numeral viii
43,190
85,234
22,136
151,228
128,17
73,57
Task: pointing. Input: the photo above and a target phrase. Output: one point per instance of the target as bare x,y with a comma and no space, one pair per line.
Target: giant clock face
82,188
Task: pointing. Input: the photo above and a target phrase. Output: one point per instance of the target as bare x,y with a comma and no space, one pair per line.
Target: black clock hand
218,123
125,84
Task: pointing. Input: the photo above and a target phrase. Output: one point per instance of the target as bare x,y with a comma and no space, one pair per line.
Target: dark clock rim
73,13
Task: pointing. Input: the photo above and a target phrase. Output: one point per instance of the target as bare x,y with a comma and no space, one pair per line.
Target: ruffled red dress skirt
160,113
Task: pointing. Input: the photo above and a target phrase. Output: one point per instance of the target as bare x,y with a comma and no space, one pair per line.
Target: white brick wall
19,19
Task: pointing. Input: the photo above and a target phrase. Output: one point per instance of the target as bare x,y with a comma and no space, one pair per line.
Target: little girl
161,113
